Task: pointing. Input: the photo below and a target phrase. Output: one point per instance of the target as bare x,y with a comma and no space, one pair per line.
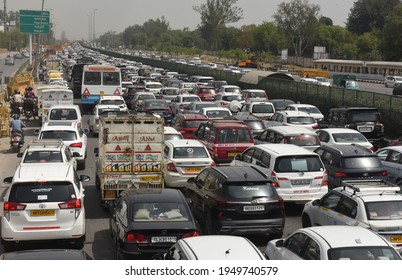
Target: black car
255,124
350,162
366,120
158,107
145,222
397,90
236,200
128,95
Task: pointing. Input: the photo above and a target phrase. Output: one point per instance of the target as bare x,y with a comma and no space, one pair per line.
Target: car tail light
213,163
171,167
12,206
168,111
384,173
275,182
280,203
181,106
76,145
372,149
72,204
340,174
182,131
215,151
315,126
135,238
191,234
223,104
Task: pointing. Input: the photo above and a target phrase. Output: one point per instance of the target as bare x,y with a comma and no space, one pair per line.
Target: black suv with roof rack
236,200
350,162
366,120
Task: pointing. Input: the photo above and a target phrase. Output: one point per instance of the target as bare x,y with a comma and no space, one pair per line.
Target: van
298,174
49,96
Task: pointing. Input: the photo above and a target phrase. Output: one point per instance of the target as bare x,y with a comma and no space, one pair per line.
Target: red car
206,93
186,124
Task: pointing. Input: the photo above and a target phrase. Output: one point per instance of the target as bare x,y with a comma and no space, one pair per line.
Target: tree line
371,32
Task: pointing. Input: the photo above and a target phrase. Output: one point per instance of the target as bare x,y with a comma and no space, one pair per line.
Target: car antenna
227,252
245,176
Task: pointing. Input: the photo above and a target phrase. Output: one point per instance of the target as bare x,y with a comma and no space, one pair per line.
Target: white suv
44,203
71,134
372,204
298,174
114,100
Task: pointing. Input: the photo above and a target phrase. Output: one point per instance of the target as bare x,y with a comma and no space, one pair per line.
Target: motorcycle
28,114
16,141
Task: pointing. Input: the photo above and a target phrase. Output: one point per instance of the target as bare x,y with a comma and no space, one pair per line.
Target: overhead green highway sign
34,21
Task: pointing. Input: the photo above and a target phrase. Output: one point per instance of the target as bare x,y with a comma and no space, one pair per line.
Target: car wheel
81,165
97,183
306,222
79,243
8,246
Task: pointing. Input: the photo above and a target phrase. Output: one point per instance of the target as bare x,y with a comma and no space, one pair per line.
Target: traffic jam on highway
129,161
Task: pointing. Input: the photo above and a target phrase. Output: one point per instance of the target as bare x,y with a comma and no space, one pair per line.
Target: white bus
99,80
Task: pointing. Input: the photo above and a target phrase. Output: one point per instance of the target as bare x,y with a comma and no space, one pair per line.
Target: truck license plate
150,178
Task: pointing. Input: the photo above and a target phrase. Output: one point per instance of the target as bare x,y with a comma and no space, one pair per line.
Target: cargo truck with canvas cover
129,155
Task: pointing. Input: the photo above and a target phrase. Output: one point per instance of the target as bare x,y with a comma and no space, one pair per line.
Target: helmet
16,117
29,88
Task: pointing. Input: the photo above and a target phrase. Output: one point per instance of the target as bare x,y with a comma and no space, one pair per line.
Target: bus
99,80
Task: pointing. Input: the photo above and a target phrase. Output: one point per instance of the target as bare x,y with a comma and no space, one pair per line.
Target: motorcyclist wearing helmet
29,93
16,126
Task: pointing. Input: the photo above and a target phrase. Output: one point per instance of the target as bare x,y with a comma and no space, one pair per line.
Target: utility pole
5,15
93,26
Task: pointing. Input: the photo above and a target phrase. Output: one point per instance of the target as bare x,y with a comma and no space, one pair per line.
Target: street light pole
93,25
90,27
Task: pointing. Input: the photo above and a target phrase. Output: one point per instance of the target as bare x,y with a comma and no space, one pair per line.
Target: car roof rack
46,143
370,186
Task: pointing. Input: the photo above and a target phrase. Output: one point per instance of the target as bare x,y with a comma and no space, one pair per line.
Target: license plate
163,239
232,154
193,169
249,208
396,238
300,182
39,213
150,178
365,128
102,92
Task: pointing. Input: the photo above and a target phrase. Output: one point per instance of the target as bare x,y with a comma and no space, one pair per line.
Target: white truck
52,95
129,155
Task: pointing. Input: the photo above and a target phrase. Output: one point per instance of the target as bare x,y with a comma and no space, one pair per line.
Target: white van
298,174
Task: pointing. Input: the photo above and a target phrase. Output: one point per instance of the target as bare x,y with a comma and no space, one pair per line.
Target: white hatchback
44,202
184,159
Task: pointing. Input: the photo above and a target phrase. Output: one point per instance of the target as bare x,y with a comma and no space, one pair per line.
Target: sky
73,16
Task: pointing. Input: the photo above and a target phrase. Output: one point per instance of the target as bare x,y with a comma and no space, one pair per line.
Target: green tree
367,15
215,15
298,20
334,39
391,36
245,39
369,46
326,21
269,39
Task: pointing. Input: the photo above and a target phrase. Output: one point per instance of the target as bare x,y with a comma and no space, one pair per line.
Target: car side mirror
8,180
191,180
86,130
96,151
315,202
237,157
85,178
159,256
279,243
20,155
36,131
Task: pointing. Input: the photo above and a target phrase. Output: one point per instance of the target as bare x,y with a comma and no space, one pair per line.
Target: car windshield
34,192
302,140
231,98
112,102
157,104
192,124
363,253
257,95
311,110
160,212
190,152
384,210
301,163
262,108
63,114
362,162
301,120
204,105
65,135
364,116
170,92
217,114
190,98
348,137
249,190
43,157
232,89
207,90
145,97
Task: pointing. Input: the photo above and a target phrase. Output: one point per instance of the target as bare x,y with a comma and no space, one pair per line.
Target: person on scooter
29,104
16,126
